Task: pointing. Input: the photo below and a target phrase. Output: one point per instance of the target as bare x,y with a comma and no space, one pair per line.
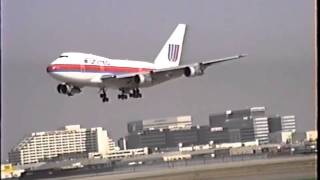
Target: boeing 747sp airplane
77,70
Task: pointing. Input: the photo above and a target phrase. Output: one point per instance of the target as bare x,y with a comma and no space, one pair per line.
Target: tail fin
170,53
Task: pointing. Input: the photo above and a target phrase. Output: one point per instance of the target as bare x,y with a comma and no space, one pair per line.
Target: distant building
281,137
261,130
208,134
232,126
282,123
9,171
147,138
312,135
288,123
128,153
243,125
298,137
173,123
160,133
184,136
166,138
42,146
122,143
274,124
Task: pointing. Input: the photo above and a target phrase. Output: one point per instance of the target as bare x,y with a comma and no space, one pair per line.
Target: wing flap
122,79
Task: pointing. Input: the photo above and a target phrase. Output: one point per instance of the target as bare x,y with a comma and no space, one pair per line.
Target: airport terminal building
73,139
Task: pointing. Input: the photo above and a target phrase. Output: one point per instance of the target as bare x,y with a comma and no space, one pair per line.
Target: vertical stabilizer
170,53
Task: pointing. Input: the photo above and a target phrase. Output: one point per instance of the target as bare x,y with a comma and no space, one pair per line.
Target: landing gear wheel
122,96
136,93
105,99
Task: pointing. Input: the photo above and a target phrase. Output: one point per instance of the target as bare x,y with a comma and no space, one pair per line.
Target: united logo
173,52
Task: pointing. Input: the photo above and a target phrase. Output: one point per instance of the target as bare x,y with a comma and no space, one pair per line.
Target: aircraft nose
51,68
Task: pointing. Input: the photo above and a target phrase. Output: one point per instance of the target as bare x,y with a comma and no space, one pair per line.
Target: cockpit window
63,56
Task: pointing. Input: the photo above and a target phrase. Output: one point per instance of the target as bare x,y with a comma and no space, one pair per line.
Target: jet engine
195,70
142,79
68,90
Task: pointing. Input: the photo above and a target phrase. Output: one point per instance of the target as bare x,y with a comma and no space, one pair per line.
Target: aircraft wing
197,68
160,75
210,62
204,64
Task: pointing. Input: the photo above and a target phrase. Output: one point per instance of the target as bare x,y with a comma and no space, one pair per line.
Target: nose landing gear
103,95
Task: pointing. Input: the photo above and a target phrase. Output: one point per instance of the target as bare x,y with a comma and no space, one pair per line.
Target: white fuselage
80,69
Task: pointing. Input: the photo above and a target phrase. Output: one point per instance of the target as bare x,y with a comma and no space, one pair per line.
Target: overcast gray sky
278,35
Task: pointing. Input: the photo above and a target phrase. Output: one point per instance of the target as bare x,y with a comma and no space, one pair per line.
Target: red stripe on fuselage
94,68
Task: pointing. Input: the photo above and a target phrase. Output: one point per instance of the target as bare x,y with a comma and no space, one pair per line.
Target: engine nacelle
192,71
142,79
67,89
63,88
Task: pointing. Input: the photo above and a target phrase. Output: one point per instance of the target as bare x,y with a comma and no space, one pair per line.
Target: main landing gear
103,95
133,93
124,94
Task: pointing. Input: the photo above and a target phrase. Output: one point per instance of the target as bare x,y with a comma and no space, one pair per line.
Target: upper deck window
63,56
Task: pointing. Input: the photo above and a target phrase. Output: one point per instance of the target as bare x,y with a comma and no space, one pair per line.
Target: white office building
261,129
288,123
72,139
